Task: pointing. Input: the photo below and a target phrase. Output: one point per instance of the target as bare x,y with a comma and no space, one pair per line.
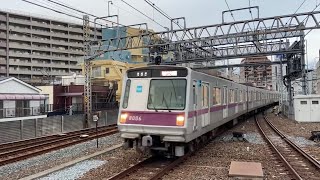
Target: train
169,109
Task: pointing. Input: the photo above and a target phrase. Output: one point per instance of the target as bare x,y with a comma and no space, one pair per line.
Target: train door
195,104
225,102
205,111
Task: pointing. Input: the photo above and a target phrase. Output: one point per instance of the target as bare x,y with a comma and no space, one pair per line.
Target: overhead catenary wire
237,28
58,11
143,14
74,9
158,9
74,16
317,5
297,10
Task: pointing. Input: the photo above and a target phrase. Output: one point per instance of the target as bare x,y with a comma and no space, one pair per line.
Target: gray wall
31,128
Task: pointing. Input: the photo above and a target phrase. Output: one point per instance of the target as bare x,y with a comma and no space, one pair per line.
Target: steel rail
293,171
33,141
41,149
294,145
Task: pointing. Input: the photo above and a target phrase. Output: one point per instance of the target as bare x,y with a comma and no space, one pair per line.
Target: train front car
152,114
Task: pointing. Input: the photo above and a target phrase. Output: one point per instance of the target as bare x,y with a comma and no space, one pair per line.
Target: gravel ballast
40,163
74,172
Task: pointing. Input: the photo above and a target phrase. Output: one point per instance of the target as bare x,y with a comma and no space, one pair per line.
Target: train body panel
163,105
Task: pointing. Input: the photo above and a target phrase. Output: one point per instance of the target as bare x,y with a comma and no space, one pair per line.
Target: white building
20,100
317,81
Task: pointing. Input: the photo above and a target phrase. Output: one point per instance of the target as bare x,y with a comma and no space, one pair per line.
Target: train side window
216,96
126,94
205,95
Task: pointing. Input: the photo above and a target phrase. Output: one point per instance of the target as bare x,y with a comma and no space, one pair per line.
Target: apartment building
36,49
259,76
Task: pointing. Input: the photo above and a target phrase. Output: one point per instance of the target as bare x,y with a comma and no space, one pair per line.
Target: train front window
167,94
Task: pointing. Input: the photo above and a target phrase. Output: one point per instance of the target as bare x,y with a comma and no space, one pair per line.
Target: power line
74,9
158,9
58,11
143,14
317,5
232,15
297,10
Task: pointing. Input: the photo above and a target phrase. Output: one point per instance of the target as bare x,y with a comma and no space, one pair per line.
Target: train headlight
123,118
180,120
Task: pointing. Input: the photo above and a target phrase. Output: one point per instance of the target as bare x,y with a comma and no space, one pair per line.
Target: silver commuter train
168,108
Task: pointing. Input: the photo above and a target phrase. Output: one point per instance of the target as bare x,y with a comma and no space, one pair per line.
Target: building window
313,102
107,70
303,102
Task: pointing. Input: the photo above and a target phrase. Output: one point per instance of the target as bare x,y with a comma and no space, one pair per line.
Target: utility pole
109,2
87,72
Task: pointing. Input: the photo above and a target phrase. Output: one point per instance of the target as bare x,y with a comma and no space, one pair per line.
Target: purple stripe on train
152,118
212,109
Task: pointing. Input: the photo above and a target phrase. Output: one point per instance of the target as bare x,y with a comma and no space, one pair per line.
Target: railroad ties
300,164
20,150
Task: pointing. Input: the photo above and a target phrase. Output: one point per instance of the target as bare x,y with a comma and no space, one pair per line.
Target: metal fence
32,128
48,108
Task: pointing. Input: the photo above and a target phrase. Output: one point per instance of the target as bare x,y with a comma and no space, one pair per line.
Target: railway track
300,164
20,150
151,168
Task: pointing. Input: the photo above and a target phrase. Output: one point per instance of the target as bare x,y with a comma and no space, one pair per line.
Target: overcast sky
197,12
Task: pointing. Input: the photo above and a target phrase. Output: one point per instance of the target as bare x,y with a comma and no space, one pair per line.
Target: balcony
18,29
19,21
40,32
3,62
76,52
3,18
20,63
20,38
3,26
79,30
74,44
37,48
57,27
3,36
46,41
60,58
61,35
76,37
3,53
3,44
19,71
57,42
3,71
39,24
41,56
15,54
19,46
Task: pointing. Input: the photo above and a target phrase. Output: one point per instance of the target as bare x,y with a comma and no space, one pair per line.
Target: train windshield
167,94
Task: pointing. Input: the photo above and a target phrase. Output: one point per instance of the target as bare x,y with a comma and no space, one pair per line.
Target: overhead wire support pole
303,64
239,9
87,72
